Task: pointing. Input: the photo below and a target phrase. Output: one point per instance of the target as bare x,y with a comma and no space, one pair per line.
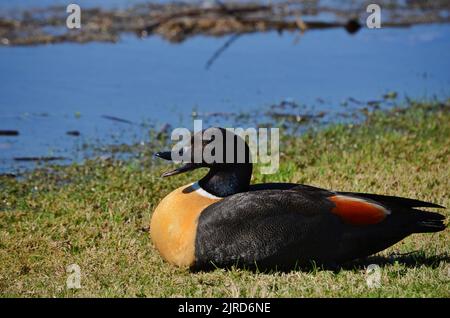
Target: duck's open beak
167,155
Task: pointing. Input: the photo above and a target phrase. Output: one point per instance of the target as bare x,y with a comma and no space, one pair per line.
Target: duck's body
223,221
282,226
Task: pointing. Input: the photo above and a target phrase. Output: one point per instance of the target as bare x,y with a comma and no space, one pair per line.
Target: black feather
395,201
428,222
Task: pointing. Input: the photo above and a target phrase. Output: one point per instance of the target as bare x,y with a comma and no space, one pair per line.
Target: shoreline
177,22
95,214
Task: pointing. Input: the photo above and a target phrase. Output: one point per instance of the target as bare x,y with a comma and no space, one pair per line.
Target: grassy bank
94,215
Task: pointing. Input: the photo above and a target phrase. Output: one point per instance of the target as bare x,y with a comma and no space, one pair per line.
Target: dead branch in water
219,52
177,22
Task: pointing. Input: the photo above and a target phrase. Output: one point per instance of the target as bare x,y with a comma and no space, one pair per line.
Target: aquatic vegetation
95,214
179,21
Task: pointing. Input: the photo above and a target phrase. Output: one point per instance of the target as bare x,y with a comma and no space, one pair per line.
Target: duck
223,220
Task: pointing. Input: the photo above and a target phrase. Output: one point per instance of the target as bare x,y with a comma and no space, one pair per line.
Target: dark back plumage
284,225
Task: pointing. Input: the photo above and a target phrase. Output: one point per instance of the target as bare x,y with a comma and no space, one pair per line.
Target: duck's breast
174,223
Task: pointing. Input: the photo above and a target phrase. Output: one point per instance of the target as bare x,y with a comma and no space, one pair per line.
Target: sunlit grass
95,214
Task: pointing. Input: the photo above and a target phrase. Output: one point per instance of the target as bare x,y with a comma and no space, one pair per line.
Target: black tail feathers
422,221
429,222
396,201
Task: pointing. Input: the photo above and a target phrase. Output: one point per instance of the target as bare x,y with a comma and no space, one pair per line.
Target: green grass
93,215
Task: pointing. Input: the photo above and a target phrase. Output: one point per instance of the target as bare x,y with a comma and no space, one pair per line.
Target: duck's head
226,155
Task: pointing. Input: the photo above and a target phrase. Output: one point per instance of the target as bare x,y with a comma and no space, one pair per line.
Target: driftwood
74,133
117,119
9,133
179,21
43,159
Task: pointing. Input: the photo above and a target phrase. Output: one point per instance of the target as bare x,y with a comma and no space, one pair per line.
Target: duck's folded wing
394,201
282,228
266,227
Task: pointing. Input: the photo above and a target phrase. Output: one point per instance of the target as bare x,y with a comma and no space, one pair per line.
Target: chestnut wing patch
358,211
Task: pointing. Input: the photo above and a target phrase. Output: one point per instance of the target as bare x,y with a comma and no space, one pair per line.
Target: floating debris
74,133
320,100
355,101
295,118
43,159
374,103
353,26
120,120
9,133
178,21
287,103
390,95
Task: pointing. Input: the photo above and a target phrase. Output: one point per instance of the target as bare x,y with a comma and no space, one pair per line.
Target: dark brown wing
294,225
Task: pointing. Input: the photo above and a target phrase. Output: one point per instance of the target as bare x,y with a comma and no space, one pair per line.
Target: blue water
8,5
47,90
25,4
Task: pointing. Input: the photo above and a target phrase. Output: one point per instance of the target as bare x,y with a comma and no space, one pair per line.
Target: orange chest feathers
174,222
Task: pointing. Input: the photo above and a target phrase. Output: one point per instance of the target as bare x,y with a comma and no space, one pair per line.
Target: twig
219,52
